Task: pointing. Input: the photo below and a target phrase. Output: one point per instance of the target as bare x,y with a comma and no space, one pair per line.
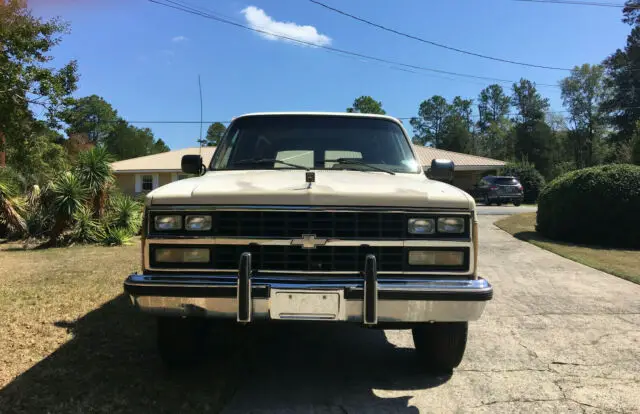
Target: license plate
306,305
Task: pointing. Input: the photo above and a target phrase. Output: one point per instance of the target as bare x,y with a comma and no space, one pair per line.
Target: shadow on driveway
111,365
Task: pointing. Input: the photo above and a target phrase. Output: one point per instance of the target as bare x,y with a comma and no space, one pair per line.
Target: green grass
622,263
70,341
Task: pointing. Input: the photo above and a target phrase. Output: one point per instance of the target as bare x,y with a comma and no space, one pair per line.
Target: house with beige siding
143,174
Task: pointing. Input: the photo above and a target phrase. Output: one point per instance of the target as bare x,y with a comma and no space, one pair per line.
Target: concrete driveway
557,337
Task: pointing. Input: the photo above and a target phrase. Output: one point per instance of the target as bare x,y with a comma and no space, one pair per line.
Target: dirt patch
71,342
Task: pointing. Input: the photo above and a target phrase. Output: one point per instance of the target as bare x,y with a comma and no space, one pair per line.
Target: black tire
180,341
441,345
517,203
486,200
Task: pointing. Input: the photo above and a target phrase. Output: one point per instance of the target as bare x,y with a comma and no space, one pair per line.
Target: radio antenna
200,140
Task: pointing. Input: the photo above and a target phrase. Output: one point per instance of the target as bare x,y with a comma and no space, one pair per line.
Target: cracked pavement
557,337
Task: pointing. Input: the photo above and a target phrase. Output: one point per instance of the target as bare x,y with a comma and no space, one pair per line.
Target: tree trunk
99,201
3,156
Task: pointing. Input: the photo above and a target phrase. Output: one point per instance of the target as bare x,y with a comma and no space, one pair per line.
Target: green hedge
597,205
532,181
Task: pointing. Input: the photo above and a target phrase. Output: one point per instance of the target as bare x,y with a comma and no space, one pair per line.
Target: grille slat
322,224
346,259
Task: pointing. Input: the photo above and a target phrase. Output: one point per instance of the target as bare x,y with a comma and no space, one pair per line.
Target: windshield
506,181
317,142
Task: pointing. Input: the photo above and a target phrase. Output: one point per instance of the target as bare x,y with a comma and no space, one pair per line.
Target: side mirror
191,164
442,170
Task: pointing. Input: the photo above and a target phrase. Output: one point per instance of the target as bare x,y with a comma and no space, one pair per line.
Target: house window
147,182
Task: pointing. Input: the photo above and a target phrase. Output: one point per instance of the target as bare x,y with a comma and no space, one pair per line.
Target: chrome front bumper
365,300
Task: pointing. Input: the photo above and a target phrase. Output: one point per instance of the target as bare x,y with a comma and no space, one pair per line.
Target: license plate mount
310,305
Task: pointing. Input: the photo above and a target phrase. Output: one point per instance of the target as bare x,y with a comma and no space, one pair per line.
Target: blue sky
145,59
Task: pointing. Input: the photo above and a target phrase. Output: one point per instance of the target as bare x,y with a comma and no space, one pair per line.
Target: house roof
170,161
462,162
163,162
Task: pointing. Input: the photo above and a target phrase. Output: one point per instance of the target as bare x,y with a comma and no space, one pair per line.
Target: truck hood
331,188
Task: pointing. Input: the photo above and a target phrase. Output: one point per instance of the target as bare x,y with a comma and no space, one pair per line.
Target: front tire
180,341
486,200
441,345
517,203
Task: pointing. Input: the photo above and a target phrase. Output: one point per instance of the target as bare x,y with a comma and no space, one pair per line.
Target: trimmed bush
532,181
597,205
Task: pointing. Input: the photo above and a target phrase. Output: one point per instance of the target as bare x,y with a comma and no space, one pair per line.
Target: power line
419,39
577,3
185,8
561,111
228,122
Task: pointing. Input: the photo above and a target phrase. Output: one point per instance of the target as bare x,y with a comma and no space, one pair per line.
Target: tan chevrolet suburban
312,217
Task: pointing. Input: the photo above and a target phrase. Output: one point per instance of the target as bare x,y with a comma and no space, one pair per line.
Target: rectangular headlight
435,258
197,223
168,222
451,225
421,226
182,255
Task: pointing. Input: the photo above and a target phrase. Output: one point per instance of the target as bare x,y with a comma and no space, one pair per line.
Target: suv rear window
505,181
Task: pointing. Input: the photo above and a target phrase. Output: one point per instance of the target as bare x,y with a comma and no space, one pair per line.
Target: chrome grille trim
329,243
327,209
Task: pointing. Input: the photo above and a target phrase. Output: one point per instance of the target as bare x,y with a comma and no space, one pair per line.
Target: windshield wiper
267,160
359,162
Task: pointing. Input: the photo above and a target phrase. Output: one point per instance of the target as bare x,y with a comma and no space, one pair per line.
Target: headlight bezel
182,254
439,228
462,265
411,223
441,225
178,220
208,218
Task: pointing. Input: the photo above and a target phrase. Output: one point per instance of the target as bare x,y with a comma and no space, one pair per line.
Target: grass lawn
70,341
622,263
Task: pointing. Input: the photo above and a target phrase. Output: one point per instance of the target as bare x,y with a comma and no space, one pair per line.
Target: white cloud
258,19
179,39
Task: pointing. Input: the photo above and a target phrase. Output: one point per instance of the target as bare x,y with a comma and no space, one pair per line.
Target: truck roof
345,114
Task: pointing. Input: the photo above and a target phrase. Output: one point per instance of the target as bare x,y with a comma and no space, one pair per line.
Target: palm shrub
93,168
122,221
10,209
116,236
124,213
38,215
68,194
85,228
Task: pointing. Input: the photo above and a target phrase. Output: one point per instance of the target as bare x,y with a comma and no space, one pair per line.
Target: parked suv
499,190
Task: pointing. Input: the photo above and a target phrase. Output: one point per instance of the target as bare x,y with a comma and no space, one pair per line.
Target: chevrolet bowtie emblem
308,241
